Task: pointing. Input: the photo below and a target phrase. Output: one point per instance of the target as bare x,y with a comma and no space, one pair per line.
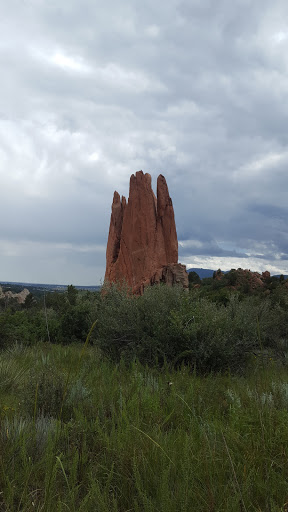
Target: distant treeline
38,290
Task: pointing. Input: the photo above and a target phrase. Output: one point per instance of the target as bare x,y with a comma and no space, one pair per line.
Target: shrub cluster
169,325
165,325
57,317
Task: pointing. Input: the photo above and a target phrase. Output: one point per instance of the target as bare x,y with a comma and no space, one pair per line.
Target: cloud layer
92,92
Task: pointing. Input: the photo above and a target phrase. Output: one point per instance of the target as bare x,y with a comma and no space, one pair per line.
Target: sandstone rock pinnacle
142,246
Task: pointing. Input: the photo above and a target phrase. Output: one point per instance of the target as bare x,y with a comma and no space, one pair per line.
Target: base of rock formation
171,275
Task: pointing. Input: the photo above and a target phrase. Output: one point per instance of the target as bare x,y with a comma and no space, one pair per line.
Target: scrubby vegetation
169,325
175,401
88,434
211,328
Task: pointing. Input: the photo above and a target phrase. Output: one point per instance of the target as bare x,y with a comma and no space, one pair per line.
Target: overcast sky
94,91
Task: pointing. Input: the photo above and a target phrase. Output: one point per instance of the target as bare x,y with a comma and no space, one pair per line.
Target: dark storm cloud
271,211
92,92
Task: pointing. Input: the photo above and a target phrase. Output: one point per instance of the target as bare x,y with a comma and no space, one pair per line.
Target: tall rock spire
142,245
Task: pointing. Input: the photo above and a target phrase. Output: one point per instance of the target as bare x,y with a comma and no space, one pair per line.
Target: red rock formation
244,278
218,274
266,275
170,274
142,246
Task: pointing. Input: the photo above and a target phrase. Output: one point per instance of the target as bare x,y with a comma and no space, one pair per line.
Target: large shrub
167,324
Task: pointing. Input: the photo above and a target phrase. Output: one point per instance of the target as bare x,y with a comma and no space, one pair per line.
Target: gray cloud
93,92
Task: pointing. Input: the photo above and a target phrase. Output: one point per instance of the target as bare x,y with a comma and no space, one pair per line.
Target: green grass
78,433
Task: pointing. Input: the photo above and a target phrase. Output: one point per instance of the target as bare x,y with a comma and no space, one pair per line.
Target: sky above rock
92,92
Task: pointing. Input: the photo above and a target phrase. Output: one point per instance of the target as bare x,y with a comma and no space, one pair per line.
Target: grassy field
79,433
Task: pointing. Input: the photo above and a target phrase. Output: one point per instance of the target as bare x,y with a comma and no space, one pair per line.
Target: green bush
23,326
167,324
74,324
212,330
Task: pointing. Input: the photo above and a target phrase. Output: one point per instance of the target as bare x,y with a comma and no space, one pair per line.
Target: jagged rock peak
142,235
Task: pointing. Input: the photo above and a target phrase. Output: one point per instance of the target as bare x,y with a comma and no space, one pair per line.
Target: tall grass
132,438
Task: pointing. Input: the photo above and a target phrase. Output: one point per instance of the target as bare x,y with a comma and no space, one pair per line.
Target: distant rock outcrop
243,279
142,246
20,297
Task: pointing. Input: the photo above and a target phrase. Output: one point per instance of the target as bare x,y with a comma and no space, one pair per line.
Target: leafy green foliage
211,328
153,416
68,316
169,325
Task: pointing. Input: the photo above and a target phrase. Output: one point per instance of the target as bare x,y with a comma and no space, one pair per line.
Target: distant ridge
202,272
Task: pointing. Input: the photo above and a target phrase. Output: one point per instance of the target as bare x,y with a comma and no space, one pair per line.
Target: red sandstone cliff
142,246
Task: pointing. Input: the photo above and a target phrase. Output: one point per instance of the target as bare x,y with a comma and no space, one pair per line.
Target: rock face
142,246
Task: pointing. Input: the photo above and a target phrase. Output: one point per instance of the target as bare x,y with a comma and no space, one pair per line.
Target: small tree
193,278
72,293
